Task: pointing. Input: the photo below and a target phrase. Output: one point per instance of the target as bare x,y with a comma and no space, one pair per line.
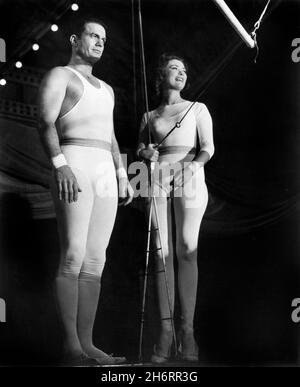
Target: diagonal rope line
256,28
219,69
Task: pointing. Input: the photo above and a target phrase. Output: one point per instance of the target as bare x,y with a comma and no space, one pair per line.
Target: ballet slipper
187,347
158,359
162,352
111,360
81,360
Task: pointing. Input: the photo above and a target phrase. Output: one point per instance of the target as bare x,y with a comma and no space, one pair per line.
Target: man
76,129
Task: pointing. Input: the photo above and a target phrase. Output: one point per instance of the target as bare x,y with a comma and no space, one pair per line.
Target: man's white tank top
92,116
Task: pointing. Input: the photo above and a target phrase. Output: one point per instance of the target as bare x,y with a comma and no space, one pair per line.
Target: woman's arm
205,134
145,152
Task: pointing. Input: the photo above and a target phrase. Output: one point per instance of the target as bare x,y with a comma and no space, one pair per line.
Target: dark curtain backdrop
249,239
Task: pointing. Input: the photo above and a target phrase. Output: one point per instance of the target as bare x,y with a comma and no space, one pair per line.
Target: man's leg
100,229
73,222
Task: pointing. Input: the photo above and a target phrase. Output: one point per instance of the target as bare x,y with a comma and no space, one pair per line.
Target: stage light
35,47
18,64
54,27
2,82
75,7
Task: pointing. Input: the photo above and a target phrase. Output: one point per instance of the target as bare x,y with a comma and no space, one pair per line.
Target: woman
181,185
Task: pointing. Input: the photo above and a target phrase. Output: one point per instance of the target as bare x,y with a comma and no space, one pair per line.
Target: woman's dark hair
162,63
79,26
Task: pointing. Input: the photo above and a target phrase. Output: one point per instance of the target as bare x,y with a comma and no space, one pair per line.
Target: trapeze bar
235,23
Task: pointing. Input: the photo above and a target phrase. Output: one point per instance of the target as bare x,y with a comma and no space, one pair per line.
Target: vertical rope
152,197
134,61
144,69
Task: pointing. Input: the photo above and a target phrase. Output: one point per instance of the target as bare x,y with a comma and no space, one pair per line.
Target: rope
219,69
213,77
144,69
134,60
256,28
253,35
153,203
177,125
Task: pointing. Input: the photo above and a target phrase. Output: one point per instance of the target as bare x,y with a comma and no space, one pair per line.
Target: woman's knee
186,251
161,251
91,268
94,261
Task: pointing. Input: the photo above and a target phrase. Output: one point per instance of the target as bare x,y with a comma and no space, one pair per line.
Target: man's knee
72,261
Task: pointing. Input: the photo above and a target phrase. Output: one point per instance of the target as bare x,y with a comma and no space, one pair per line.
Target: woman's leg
73,223
188,217
163,280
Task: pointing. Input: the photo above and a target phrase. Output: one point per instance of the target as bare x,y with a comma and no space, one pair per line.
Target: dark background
249,239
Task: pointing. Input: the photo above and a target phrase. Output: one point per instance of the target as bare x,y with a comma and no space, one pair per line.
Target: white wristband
121,172
58,161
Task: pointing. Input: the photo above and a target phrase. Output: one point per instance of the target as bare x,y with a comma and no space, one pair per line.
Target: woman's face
175,75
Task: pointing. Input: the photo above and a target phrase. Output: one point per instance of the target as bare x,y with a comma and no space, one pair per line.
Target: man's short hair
79,26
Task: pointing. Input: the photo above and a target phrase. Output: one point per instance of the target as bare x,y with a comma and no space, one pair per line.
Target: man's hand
67,185
149,153
125,191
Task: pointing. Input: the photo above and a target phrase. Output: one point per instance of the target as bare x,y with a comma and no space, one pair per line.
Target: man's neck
81,65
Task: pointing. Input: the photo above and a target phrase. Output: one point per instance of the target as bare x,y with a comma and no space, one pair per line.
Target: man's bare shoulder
58,74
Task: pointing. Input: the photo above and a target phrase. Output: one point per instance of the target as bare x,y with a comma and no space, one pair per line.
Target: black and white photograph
149,186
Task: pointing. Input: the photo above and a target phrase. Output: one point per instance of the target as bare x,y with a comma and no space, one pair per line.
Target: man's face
91,43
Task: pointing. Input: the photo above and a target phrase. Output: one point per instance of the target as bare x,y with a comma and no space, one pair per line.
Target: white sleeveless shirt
92,115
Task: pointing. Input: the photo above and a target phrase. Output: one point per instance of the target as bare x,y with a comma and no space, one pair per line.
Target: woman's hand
149,153
185,174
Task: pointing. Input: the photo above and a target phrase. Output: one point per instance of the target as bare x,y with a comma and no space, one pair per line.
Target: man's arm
118,162
125,189
51,96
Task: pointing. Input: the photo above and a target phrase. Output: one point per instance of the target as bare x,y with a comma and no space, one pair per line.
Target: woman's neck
170,97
